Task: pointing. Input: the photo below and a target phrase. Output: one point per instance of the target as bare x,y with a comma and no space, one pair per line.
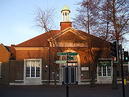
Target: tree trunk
114,81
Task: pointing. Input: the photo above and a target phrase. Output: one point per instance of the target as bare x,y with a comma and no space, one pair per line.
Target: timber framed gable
69,38
67,30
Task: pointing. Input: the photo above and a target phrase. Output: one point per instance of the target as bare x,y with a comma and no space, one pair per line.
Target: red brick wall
64,25
30,54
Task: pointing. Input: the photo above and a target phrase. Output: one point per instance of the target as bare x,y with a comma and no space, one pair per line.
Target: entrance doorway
72,74
72,68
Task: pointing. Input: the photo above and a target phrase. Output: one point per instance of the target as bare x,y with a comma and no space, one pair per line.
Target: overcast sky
17,18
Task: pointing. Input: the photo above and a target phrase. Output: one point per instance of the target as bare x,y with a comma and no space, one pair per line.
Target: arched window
65,13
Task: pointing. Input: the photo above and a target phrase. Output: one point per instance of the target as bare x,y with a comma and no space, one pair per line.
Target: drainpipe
49,67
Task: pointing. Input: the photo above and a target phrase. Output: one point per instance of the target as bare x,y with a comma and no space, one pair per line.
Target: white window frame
25,61
102,71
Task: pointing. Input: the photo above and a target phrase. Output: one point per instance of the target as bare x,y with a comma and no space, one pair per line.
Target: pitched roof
6,47
43,39
96,41
39,41
4,53
92,36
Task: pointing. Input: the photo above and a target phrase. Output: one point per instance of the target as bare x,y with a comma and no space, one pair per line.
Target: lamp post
67,78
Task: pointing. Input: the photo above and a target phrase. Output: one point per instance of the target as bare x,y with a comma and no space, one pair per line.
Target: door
71,71
32,71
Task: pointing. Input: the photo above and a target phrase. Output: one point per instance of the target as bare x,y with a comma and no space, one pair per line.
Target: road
59,91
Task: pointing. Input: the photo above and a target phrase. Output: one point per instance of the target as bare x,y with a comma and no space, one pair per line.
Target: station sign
69,57
61,61
67,53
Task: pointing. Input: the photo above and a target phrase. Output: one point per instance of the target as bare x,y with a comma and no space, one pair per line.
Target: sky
17,18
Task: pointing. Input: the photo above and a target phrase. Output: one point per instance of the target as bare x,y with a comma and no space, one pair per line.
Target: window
109,70
65,14
33,68
100,71
104,70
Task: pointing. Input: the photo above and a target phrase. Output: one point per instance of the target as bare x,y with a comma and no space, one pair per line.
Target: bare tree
45,21
107,19
110,19
87,16
118,17
86,21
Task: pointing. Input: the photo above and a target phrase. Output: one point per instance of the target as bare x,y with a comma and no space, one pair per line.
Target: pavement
60,91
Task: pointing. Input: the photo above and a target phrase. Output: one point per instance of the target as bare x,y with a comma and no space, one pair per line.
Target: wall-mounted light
46,66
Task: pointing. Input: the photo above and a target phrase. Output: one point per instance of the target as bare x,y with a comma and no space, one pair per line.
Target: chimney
64,25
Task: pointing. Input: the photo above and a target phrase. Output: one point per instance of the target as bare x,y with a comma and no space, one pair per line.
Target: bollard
125,82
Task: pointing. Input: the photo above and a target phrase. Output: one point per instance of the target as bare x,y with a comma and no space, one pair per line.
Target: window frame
33,65
102,71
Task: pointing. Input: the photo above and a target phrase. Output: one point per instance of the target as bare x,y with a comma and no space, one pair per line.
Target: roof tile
39,41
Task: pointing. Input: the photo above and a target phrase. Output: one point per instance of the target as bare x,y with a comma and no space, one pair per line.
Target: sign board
70,58
116,62
61,61
66,53
84,68
104,63
125,63
61,53
72,53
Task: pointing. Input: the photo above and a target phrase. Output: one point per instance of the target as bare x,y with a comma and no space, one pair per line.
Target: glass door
71,71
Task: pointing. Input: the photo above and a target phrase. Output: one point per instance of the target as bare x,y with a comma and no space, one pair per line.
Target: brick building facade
34,61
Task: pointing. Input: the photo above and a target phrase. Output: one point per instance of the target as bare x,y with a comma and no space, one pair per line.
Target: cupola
65,23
